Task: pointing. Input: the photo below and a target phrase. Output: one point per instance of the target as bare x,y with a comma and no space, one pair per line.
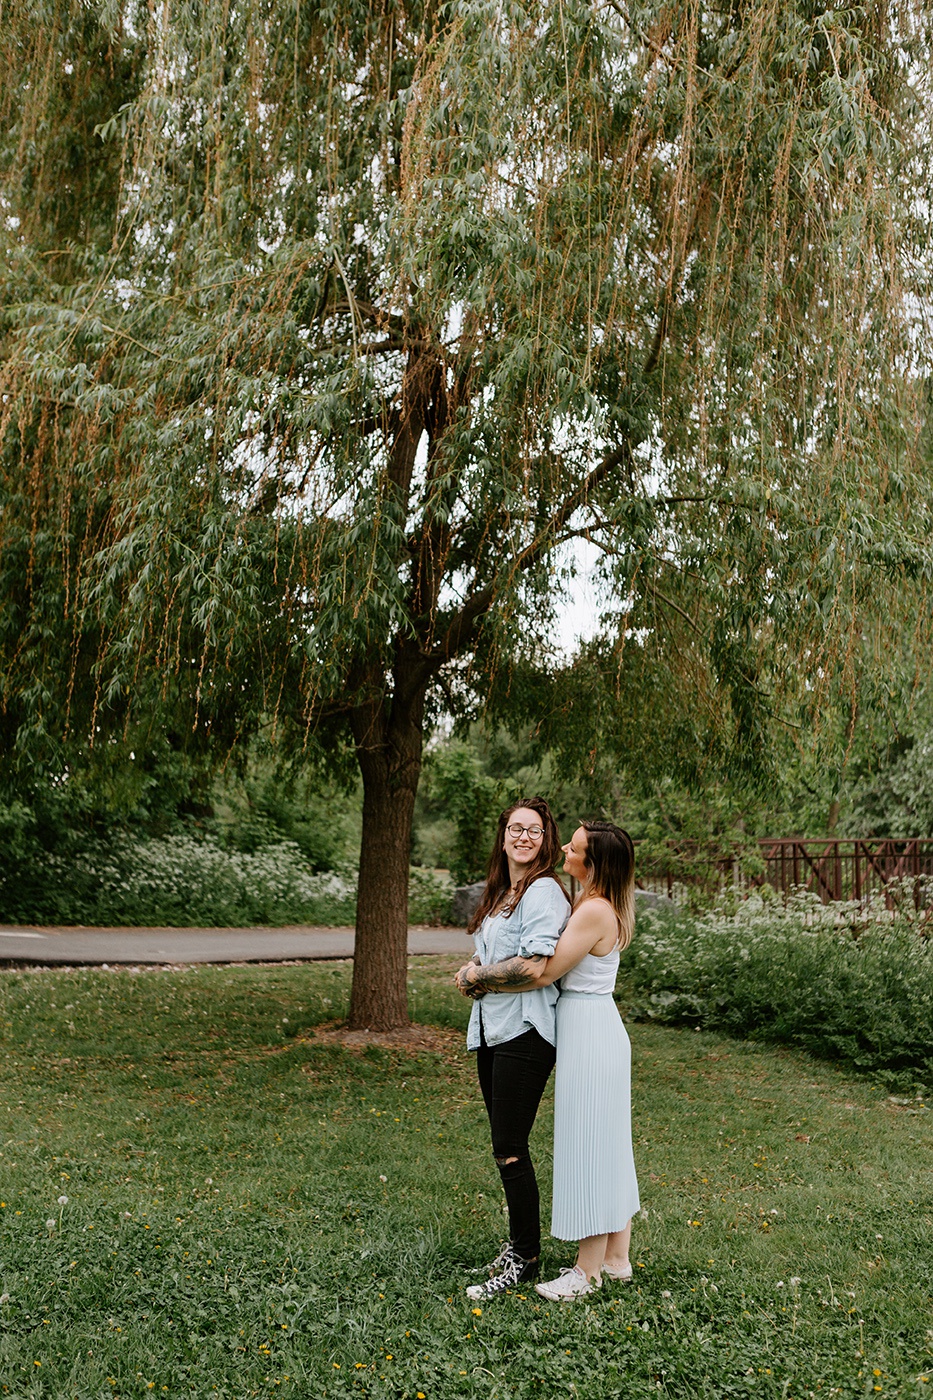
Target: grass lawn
255,1211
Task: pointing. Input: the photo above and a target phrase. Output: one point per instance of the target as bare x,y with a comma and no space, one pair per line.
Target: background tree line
268,845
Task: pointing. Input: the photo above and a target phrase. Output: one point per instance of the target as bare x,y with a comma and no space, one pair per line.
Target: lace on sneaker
506,1278
504,1254
510,1276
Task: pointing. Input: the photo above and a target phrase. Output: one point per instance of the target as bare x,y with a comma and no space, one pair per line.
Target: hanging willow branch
328,327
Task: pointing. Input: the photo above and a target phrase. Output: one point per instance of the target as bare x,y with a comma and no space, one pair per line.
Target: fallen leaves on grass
440,1040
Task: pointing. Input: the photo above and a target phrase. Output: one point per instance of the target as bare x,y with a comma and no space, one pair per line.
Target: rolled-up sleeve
544,912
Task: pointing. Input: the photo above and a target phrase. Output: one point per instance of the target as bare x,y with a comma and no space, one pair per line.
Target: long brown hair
498,883
610,859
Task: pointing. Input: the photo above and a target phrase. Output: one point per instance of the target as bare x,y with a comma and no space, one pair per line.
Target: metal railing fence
834,868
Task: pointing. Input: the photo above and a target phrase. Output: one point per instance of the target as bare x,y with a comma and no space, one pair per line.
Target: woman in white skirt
595,1187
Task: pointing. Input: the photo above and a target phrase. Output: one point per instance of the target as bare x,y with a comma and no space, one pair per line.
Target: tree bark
389,748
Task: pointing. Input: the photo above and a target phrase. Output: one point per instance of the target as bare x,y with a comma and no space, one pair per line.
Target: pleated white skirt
595,1187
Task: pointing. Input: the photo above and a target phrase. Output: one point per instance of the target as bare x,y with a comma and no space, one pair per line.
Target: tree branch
462,629
397,343
675,607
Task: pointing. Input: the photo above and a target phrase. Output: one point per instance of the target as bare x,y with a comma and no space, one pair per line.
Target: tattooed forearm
510,975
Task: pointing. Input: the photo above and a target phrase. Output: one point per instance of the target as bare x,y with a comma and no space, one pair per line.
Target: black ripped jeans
512,1077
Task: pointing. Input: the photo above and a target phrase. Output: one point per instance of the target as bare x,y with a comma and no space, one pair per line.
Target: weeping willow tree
328,328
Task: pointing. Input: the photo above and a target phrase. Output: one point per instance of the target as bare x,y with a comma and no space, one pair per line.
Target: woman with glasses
595,1187
520,916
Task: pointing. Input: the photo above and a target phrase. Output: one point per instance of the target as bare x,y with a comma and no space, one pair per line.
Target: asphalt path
112,947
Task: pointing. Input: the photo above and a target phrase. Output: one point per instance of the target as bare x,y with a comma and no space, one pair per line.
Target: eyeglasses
533,831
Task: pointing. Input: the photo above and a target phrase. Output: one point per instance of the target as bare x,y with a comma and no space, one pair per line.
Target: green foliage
252,1210
894,796
469,777
265,805
179,880
471,800
191,881
842,982
429,897
624,297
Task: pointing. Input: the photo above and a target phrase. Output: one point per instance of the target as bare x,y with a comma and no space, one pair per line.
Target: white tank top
592,974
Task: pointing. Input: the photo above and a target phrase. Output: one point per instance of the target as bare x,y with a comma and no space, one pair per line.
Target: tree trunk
389,754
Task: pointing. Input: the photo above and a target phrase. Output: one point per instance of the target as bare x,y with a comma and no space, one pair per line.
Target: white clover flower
50,1224
383,1178
795,1282
63,1200
4,1298
666,1293
780,1284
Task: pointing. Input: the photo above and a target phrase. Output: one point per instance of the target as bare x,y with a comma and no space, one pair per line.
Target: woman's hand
465,980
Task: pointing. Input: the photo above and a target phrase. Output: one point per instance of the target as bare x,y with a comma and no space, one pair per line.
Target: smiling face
575,856
522,848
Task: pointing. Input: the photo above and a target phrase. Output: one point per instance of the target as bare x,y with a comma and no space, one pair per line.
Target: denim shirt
533,927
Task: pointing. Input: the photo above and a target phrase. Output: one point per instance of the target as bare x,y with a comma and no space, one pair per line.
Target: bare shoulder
595,915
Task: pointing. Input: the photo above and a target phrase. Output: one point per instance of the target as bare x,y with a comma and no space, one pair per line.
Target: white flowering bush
839,979
187,880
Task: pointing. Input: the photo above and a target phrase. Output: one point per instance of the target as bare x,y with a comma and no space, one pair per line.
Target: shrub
192,880
430,894
838,980
185,880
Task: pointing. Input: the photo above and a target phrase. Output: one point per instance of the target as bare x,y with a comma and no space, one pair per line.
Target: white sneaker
620,1275
573,1283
